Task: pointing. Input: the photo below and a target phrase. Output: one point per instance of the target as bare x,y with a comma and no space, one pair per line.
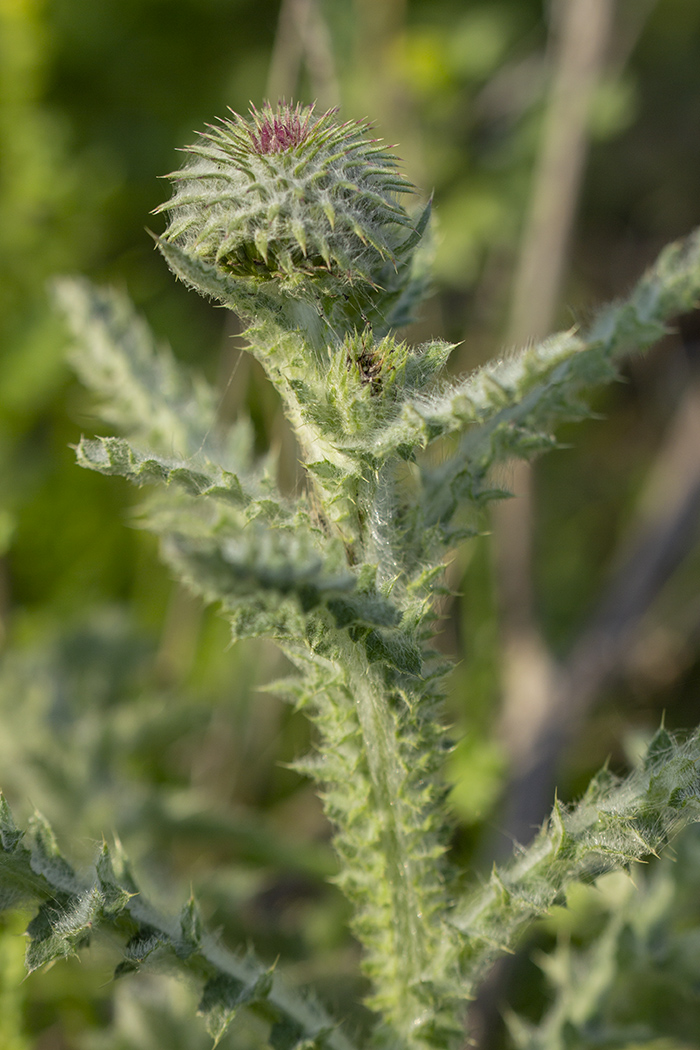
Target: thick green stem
405,939
376,501
386,769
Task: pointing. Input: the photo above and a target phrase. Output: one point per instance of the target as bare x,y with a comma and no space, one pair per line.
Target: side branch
71,910
614,825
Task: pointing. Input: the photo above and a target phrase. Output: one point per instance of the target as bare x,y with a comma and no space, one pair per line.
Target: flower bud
285,193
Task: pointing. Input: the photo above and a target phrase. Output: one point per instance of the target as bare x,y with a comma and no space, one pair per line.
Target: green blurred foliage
120,707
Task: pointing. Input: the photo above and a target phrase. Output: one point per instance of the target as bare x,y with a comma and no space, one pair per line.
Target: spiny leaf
224,996
617,823
115,896
288,1037
10,834
641,961
191,929
61,927
394,649
211,281
142,389
508,404
115,456
71,910
259,560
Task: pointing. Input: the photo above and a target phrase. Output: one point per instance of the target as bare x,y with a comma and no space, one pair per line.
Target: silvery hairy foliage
300,224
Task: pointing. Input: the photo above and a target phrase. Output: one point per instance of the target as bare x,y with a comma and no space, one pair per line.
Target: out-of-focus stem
581,30
303,38
665,529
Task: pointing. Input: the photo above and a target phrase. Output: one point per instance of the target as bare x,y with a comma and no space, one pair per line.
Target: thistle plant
300,225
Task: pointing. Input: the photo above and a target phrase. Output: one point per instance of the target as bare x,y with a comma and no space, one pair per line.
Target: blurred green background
121,708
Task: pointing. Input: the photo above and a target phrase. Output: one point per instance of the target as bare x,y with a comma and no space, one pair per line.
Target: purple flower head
276,132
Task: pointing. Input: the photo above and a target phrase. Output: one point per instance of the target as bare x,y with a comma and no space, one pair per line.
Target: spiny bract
287,191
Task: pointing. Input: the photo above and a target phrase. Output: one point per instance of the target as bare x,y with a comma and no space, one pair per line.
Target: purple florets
276,132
